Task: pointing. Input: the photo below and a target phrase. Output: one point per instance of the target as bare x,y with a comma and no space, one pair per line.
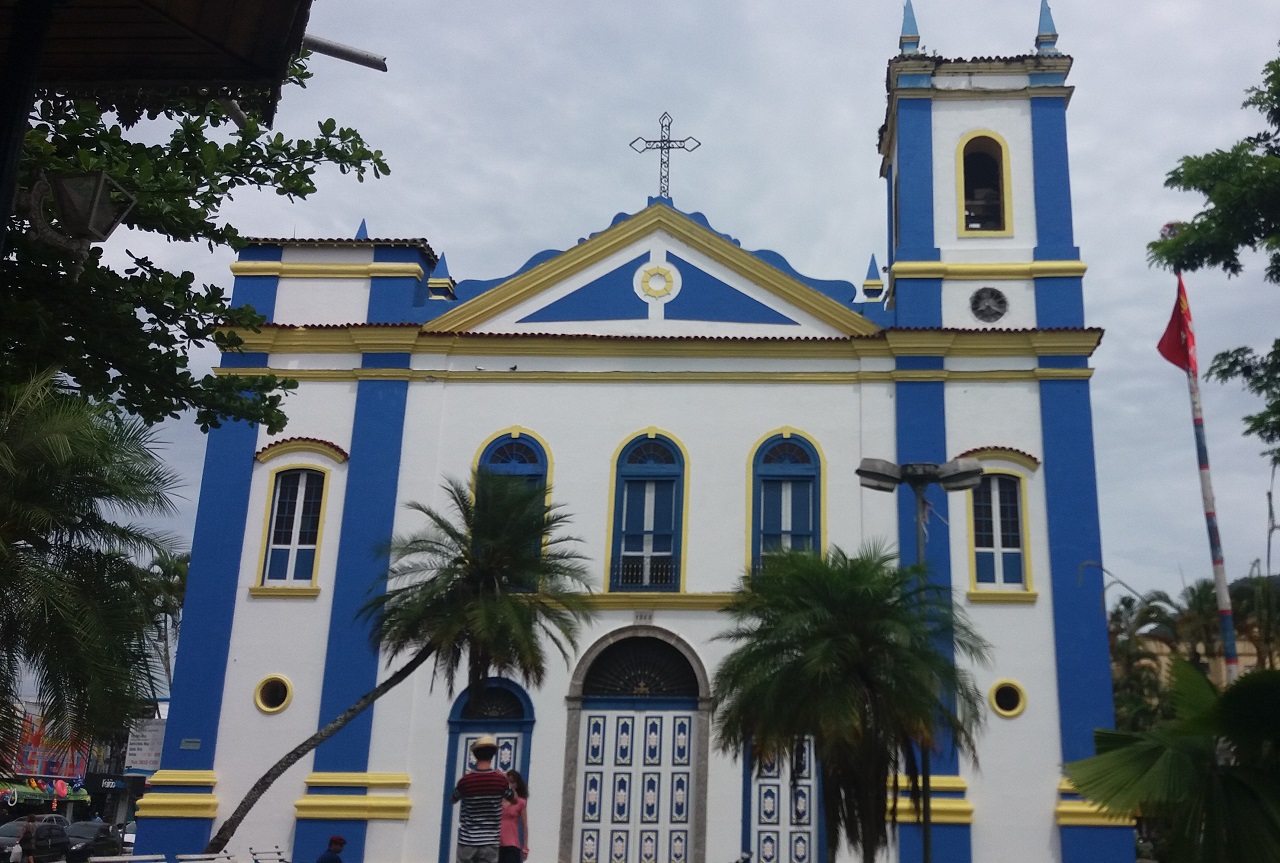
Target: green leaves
856,654
124,335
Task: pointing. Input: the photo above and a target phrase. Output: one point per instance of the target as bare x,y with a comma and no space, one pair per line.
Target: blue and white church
694,404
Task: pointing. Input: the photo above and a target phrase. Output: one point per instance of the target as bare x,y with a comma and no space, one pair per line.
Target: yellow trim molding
681,377
356,807
661,601
655,218
322,270
178,806
1010,597
362,780
1022,698
261,590
943,810
288,693
293,446
939,783
985,271
1006,185
958,343
183,777
1083,813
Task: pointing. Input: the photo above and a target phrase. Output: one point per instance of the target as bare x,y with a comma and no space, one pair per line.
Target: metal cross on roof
665,145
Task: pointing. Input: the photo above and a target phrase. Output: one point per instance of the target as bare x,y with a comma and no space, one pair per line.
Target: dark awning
148,49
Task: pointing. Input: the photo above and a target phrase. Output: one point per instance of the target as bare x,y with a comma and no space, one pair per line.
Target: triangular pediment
658,273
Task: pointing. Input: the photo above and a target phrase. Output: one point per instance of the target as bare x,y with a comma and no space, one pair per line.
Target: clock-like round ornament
988,305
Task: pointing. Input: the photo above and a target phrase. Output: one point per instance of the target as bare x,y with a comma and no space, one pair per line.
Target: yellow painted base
183,777
362,780
943,810
1083,813
356,807
155,805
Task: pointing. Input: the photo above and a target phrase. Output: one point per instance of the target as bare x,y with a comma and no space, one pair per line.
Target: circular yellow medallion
657,281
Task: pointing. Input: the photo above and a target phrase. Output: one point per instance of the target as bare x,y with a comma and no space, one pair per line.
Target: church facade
693,404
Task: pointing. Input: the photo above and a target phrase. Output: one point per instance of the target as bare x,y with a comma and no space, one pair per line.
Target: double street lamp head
955,475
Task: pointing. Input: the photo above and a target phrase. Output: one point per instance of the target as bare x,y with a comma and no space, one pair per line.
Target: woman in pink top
515,822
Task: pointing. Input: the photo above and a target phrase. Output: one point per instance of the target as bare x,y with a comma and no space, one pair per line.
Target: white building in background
692,402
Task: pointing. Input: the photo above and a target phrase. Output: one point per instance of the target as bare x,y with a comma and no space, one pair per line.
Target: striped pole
1225,619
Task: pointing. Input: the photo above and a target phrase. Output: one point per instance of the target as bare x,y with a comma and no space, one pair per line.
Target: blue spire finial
1047,38
873,285
362,232
909,41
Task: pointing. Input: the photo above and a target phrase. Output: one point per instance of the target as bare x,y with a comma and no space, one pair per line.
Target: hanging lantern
54,805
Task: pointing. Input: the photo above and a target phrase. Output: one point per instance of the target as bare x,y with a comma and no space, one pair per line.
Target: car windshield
131,827
13,828
84,830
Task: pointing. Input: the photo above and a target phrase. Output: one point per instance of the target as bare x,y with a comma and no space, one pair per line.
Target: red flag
1178,344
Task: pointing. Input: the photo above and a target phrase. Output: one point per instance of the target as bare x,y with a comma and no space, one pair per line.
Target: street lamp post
955,475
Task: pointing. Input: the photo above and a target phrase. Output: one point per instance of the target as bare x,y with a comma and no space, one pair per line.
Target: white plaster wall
956,312
1015,789
274,635
952,120
323,301
317,409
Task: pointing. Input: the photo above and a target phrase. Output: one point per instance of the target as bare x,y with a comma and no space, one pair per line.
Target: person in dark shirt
336,844
481,792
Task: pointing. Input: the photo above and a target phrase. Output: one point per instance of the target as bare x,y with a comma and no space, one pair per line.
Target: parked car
130,832
51,840
92,839
49,818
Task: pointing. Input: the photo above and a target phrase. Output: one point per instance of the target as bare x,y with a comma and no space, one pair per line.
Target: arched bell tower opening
636,751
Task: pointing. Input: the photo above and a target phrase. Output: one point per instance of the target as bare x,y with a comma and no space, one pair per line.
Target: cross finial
665,145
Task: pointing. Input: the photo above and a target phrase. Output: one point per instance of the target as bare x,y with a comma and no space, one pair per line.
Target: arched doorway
504,711
636,766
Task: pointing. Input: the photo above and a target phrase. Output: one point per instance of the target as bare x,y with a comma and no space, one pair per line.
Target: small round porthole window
273,693
1007,698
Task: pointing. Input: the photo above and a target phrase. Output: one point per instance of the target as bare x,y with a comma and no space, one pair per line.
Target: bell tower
974,153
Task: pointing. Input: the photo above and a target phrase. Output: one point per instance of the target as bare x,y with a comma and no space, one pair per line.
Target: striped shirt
481,794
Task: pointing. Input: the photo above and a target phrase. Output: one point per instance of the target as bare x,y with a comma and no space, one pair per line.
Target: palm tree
1134,627
70,595
166,589
854,653
1208,779
487,590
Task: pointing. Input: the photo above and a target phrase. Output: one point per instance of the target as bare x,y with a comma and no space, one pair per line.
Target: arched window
785,509
984,185
521,455
999,534
647,516
640,667
293,531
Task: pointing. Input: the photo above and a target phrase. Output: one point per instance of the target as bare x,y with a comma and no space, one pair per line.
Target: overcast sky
507,123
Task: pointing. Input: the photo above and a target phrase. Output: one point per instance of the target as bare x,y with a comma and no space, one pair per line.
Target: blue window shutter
986,562
664,514
304,564
802,507
277,564
1012,567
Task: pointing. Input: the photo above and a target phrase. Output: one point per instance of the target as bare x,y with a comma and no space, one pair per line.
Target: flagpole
1178,346
1225,618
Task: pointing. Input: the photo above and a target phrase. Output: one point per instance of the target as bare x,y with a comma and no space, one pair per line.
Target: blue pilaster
1055,236
1075,551
952,843
351,659
398,299
1100,844
257,291
1059,302
914,165
196,697
922,437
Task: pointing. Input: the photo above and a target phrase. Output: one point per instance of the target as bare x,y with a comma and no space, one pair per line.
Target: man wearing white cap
481,792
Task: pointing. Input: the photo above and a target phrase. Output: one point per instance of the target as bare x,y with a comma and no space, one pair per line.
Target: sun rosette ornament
657,282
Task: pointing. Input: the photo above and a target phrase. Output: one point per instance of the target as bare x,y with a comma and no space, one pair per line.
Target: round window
273,694
1008,698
